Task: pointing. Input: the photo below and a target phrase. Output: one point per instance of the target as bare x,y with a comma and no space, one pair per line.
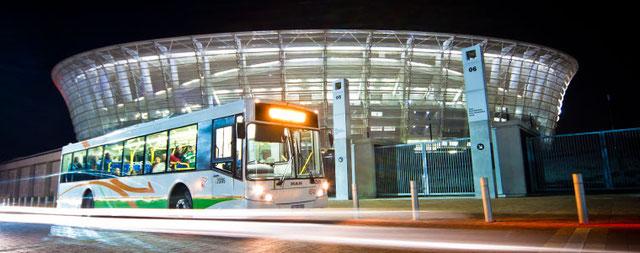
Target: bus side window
64,168
156,153
94,162
77,166
133,157
182,148
223,135
112,162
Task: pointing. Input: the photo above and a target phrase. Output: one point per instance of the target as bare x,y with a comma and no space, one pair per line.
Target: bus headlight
319,193
325,185
268,197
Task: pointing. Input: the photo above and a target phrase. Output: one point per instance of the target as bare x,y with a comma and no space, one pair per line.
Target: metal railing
32,201
608,160
438,167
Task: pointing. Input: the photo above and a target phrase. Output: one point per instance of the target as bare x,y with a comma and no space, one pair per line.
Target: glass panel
156,153
113,158
223,142
94,159
183,148
268,152
66,164
78,161
133,157
304,143
270,147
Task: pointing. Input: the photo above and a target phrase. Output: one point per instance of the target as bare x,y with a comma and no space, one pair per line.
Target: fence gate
608,160
439,168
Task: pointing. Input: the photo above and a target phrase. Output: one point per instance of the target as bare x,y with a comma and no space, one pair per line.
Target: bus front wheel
181,198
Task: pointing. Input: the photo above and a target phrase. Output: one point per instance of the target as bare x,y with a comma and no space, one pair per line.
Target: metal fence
608,160
439,168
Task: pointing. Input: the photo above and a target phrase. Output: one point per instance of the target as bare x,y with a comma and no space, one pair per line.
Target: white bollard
46,201
486,200
31,202
38,201
354,195
581,203
415,205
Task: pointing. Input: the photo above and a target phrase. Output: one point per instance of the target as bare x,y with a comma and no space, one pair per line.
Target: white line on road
370,236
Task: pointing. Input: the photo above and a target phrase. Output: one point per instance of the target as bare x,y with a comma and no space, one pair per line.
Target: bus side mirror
240,131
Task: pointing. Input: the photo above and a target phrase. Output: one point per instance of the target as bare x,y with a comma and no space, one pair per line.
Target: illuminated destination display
282,113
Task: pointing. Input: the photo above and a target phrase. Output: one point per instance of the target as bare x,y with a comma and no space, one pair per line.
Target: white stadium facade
404,85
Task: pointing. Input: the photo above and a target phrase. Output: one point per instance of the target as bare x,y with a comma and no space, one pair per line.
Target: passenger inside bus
159,164
92,163
266,157
76,165
188,156
107,162
175,157
182,157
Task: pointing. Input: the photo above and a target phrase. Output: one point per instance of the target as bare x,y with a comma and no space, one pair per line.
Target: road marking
577,239
559,239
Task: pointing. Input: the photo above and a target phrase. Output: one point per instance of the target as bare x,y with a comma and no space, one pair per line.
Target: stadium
404,86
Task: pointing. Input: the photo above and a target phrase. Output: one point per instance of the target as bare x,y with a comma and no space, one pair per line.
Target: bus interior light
287,115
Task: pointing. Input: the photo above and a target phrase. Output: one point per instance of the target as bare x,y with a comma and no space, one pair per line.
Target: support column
342,133
478,118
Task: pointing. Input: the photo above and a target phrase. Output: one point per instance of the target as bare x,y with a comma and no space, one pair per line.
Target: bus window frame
195,164
244,163
101,158
121,154
143,158
166,166
234,156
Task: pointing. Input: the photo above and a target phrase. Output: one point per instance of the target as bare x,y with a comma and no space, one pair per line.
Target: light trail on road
193,222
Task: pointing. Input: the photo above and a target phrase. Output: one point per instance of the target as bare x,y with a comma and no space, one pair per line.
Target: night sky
35,37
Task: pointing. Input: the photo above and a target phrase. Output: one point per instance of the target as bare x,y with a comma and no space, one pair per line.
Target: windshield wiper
281,180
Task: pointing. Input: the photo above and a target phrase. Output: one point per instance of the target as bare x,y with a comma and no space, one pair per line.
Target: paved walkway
622,210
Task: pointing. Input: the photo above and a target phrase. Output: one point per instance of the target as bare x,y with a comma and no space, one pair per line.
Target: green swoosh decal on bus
198,203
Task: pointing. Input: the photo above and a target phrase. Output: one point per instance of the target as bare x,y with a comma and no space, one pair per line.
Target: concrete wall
365,168
509,160
31,176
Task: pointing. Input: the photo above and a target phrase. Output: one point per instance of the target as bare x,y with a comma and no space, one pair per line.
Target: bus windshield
277,152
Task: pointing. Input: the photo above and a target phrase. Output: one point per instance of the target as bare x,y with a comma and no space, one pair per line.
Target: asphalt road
37,232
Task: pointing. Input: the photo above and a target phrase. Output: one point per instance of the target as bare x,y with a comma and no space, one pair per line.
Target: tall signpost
478,118
341,132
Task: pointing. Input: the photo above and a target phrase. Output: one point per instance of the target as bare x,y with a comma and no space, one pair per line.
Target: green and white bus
245,154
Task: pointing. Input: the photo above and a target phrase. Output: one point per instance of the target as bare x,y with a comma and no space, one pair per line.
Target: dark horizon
38,37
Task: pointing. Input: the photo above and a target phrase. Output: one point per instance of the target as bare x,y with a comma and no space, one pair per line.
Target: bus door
222,158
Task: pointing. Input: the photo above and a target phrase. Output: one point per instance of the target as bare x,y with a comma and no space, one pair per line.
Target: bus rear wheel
180,198
87,199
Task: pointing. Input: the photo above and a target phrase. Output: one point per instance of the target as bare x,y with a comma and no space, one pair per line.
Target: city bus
244,154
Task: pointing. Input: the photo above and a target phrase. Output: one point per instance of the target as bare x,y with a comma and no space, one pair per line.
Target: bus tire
180,198
87,200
